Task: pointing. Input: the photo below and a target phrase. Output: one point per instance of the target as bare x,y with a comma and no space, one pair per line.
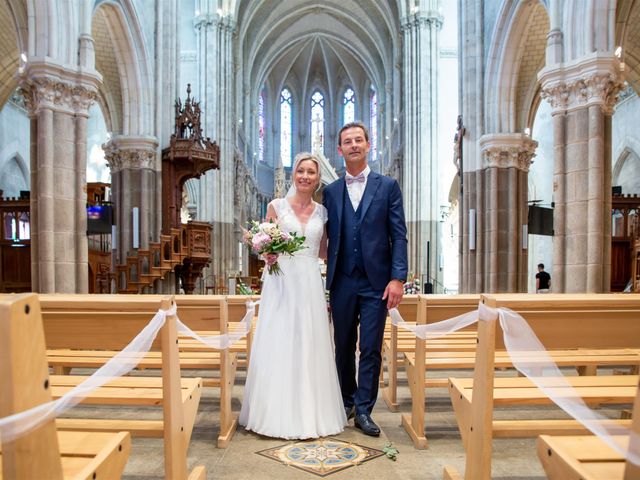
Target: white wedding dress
292,388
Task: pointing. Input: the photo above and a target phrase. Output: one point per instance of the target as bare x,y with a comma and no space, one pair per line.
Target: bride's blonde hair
301,157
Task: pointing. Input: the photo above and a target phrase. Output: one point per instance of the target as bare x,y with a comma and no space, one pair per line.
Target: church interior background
492,115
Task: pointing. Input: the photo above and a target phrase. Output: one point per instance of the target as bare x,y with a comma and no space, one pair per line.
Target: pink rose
260,240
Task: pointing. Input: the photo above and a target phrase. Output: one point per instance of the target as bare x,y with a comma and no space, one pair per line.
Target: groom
366,269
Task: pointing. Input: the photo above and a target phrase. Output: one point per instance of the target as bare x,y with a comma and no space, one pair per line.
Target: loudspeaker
540,220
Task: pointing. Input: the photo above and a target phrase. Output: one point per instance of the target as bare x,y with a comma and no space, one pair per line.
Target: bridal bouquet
267,238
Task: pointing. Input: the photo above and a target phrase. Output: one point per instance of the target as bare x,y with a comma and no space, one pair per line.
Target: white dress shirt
356,189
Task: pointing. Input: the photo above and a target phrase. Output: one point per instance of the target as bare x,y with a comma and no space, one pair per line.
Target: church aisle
514,459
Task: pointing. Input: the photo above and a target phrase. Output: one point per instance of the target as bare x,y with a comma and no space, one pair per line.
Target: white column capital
129,152
225,23
505,150
421,20
593,80
62,88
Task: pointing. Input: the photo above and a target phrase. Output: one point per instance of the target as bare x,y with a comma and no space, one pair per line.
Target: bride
292,388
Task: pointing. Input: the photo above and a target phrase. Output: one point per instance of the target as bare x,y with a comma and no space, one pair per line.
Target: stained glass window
261,129
286,126
317,122
373,124
348,106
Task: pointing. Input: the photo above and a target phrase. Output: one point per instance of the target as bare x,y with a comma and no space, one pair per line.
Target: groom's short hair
353,125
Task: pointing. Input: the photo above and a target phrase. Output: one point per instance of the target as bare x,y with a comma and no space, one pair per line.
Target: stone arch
512,66
192,187
14,175
10,13
625,171
133,65
18,11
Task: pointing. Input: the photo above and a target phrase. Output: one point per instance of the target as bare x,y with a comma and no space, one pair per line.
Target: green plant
390,451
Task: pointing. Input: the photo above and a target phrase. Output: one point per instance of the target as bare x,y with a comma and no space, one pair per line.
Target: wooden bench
461,357
24,377
206,314
453,351
584,325
587,456
87,330
195,312
400,344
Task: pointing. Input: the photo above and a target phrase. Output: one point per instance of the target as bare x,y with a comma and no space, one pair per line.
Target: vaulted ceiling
9,56
304,41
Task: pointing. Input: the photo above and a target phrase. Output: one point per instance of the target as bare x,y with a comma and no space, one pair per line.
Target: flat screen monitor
99,219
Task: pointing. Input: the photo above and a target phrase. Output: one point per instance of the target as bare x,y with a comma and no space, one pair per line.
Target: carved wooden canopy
189,155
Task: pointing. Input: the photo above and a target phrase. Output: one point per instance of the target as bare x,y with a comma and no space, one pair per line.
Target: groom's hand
393,293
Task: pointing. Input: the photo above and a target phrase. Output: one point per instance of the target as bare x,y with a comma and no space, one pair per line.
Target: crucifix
317,139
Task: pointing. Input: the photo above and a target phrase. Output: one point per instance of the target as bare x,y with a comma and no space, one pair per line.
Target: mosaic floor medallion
321,457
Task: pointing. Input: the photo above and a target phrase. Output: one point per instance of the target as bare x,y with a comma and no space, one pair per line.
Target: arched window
317,122
373,124
348,106
261,127
286,126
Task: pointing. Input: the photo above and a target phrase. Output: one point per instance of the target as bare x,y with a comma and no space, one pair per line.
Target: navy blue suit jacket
383,230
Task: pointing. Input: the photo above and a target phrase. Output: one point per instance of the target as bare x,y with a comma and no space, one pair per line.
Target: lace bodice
312,230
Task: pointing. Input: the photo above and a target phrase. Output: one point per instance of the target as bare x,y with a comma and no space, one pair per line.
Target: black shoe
350,412
364,422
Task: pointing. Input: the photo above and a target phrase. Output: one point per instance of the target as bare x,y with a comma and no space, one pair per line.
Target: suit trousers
354,302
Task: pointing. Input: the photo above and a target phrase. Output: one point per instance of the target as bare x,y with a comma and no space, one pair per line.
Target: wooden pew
585,323
195,312
86,324
420,356
206,314
394,344
400,344
461,356
24,377
587,456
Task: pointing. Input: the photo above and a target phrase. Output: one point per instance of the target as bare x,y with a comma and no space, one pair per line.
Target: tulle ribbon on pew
224,341
540,368
123,362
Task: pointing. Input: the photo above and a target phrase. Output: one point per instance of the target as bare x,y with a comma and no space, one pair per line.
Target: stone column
58,99
472,106
420,170
81,241
132,161
582,94
506,158
216,95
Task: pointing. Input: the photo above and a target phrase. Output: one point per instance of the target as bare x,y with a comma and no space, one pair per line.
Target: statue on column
279,180
457,144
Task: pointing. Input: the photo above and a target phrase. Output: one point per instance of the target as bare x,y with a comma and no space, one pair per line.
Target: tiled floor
512,459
